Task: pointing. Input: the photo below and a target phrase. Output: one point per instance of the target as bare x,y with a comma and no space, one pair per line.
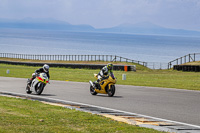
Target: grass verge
146,77
193,63
25,116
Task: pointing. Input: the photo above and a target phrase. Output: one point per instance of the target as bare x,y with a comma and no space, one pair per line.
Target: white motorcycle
37,84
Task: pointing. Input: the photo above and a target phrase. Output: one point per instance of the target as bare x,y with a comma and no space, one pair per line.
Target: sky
177,14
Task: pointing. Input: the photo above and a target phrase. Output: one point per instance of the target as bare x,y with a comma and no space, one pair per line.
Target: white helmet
46,67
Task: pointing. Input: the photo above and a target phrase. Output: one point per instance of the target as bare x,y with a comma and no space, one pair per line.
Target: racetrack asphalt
166,103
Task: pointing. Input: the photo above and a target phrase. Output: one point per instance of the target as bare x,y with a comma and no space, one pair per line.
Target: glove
105,77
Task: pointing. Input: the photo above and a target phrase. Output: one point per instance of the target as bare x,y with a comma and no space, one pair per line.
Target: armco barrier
80,66
189,68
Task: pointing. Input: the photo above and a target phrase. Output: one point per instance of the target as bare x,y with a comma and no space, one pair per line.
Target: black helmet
110,66
46,67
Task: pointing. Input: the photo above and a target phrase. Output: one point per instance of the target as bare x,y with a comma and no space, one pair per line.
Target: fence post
185,58
181,60
189,57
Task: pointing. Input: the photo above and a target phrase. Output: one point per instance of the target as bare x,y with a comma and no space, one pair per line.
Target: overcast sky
179,14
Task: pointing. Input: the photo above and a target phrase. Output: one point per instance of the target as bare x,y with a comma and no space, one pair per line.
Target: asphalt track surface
171,104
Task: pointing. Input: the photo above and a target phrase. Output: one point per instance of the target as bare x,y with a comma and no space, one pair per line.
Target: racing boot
29,82
97,84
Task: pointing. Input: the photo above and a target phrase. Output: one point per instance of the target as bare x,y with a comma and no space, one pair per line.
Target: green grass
145,77
192,63
25,116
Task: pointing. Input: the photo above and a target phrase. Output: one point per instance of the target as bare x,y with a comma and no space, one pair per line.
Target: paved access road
171,104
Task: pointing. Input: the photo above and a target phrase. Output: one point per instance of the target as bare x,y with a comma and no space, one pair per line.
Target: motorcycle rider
44,69
103,74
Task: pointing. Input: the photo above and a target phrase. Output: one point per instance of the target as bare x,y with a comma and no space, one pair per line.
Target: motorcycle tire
28,91
92,90
111,91
39,89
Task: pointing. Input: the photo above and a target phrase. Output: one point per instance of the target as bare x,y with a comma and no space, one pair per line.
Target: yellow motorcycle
106,86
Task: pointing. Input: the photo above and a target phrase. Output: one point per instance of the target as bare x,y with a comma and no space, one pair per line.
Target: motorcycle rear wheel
111,91
28,91
92,90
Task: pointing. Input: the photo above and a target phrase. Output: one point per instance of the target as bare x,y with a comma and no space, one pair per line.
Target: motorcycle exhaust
91,83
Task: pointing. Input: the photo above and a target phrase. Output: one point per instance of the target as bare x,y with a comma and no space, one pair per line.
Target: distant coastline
144,28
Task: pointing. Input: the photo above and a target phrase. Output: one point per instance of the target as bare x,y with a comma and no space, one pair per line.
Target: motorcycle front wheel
111,91
39,88
92,90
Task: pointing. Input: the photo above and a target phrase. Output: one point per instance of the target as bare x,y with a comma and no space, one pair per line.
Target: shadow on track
45,95
108,96
48,95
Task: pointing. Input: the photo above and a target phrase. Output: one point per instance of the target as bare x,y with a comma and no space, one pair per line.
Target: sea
147,48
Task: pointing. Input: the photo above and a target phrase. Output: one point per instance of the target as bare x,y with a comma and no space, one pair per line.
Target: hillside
43,24
196,63
146,28
149,28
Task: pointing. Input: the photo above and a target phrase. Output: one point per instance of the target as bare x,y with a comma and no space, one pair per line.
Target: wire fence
107,58
157,65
